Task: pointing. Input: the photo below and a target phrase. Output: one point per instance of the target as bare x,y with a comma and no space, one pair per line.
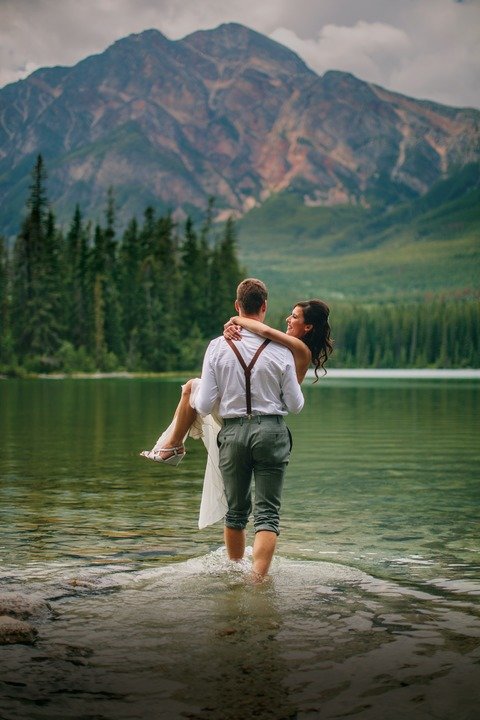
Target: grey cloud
420,47
35,33
427,50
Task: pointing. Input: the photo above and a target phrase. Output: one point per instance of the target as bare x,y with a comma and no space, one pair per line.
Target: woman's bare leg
184,417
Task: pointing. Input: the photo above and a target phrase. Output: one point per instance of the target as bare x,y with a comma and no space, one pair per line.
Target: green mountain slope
429,245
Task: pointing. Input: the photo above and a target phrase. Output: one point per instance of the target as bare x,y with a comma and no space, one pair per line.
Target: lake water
372,610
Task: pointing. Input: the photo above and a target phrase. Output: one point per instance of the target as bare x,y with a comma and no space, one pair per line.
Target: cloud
40,33
423,48
369,50
431,52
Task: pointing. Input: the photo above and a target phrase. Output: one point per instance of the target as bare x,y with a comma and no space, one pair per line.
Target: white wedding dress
213,505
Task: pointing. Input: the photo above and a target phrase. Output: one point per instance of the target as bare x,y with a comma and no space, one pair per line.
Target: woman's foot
169,455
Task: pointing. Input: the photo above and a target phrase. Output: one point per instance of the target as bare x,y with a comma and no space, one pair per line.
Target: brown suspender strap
247,369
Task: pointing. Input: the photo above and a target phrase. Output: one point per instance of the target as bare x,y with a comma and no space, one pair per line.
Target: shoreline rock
13,631
15,605
15,610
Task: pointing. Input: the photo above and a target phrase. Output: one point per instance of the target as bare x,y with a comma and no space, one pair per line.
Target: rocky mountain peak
226,112
232,42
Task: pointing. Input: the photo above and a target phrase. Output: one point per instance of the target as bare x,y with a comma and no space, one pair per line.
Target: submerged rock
21,607
16,631
15,610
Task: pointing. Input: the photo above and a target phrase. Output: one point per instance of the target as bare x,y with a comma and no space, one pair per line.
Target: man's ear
264,306
237,307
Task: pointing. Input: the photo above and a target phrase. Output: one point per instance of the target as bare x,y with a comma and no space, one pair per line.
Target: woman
307,335
308,338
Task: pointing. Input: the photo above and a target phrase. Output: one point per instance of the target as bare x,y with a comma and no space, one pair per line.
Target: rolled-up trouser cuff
270,528
235,521
235,526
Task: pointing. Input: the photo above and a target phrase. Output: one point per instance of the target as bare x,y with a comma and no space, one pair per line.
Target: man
256,386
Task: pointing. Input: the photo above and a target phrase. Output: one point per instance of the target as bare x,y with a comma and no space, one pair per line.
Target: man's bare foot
255,578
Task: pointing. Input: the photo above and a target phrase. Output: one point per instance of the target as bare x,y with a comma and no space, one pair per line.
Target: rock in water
16,631
22,607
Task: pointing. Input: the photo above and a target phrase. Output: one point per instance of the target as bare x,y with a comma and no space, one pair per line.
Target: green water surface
383,476
372,607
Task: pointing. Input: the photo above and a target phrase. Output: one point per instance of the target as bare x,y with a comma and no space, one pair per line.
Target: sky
423,48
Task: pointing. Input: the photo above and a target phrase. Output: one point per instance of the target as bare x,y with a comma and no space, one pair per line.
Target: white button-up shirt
274,386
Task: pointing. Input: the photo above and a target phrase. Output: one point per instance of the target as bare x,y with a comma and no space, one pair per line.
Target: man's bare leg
234,542
263,549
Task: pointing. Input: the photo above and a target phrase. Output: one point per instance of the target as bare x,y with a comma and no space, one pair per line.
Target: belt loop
241,421
258,420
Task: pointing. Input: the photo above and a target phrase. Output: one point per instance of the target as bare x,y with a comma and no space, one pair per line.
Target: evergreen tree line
438,333
150,300
87,300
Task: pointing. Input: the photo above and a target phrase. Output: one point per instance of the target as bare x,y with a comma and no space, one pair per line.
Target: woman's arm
301,354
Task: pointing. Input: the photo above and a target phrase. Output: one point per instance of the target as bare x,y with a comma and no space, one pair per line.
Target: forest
87,300
90,301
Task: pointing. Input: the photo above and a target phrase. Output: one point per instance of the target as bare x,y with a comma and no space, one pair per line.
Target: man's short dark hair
251,294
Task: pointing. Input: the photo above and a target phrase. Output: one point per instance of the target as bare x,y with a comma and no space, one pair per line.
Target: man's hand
232,331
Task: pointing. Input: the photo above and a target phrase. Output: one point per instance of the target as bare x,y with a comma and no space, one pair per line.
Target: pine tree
25,261
362,345
225,274
4,290
204,261
129,261
194,266
50,297
143,321
166,297
100,346
113,323
194,302
6,345
154,324
77,296
36,294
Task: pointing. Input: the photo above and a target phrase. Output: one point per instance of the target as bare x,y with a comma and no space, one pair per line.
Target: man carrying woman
252,383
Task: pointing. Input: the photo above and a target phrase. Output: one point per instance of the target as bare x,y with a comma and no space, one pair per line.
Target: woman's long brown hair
318,340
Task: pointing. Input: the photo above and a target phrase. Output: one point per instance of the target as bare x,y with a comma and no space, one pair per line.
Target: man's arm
208,393
291,392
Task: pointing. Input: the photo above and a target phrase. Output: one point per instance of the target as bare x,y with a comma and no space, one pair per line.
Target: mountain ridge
228,113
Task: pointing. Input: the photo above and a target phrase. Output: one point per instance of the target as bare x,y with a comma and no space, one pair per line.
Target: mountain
226,113
410,252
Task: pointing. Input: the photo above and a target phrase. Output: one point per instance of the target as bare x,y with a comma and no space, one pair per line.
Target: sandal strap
171,449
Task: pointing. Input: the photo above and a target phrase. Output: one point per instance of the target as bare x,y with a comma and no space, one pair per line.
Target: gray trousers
260,447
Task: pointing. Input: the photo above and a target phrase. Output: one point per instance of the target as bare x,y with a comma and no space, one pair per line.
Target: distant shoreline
405,373
334,374
103,376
